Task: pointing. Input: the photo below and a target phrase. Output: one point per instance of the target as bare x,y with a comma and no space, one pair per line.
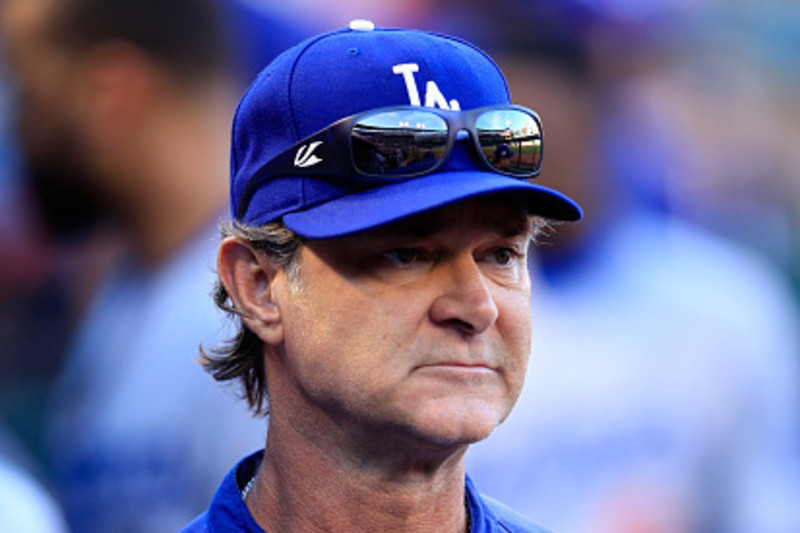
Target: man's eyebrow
415,230
419,227
515,226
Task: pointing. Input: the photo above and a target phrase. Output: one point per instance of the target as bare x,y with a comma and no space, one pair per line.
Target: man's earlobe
249,277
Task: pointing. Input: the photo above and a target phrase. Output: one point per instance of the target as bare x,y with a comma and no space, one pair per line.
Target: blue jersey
229,514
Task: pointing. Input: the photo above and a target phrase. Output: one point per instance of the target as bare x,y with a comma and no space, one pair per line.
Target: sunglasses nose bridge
464,154
468,137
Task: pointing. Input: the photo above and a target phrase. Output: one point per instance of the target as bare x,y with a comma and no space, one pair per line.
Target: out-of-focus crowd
664,387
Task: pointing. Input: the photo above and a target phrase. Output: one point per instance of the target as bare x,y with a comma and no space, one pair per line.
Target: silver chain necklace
247,488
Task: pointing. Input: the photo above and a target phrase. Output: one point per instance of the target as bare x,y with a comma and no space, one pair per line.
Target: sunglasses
409,141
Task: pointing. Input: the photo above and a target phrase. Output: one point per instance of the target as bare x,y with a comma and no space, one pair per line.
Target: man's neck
304,487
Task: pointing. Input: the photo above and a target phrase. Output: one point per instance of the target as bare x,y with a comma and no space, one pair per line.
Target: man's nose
465,302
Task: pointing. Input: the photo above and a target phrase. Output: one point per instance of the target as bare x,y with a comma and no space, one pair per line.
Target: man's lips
458,369
458,364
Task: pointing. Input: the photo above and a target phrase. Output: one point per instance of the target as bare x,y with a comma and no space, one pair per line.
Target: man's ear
250,278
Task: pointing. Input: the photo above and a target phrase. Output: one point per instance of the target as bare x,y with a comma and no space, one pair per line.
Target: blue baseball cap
352,70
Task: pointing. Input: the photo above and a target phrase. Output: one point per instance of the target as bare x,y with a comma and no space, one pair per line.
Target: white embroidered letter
408,70
434,97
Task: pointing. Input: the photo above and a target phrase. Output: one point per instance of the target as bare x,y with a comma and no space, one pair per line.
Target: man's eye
402,256
504,256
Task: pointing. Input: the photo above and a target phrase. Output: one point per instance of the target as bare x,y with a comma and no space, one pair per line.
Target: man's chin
461,426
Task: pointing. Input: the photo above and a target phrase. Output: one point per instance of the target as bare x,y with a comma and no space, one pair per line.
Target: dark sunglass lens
398,143
511,140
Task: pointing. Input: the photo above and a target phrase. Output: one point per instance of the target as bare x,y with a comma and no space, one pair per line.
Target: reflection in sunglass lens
511,140
398,142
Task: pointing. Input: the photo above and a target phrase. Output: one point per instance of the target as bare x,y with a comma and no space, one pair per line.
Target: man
385,311
123,107
502,156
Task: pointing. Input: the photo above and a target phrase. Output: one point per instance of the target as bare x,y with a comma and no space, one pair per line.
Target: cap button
361,25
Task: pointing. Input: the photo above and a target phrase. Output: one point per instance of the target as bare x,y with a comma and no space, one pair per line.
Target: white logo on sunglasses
305,155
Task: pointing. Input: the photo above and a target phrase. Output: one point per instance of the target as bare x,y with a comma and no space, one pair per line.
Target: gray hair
241,358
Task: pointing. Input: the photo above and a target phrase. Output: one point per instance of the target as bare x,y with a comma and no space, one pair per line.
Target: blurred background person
123,112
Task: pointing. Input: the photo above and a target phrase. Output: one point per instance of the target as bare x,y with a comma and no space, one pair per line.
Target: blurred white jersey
141,434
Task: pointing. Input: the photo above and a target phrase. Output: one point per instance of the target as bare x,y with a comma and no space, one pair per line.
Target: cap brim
382,205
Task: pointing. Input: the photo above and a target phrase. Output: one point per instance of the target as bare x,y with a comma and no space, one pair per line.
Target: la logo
433,96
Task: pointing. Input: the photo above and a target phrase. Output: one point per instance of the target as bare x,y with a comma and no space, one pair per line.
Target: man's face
49,130
503,162
420,329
